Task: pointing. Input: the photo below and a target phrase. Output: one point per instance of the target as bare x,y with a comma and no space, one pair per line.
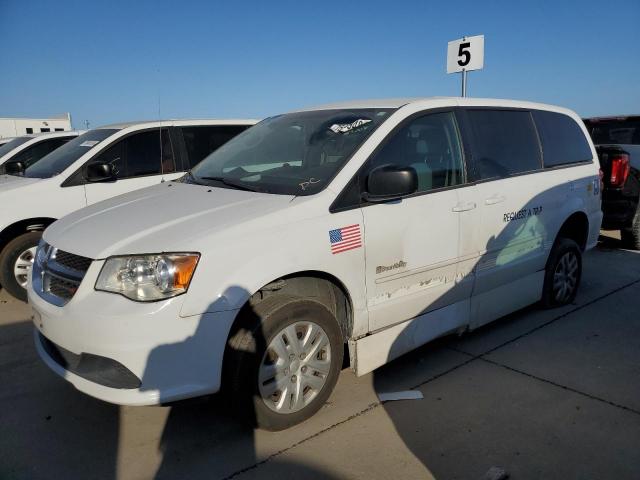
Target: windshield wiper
230,183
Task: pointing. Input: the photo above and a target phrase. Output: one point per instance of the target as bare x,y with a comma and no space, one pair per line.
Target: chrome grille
57,274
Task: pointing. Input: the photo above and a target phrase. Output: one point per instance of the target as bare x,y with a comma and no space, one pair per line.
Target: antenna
160,135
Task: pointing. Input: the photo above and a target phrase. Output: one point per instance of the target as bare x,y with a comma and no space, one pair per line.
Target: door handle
495,199
463,207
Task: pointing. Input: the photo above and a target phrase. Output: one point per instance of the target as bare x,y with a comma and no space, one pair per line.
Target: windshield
292,154
60,159
16,142
625,131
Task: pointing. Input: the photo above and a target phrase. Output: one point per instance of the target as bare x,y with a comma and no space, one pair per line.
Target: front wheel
563,273
284,362
16,262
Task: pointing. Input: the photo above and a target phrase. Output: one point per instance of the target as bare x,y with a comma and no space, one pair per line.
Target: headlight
146,278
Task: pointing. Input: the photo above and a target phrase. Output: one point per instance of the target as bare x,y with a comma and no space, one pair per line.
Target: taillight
619,169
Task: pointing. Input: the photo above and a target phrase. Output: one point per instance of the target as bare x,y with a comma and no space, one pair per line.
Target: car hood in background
11,182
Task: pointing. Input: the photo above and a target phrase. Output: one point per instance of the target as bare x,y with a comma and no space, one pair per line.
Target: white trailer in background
15,127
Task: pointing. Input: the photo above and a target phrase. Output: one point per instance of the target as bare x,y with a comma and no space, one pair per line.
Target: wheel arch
575,227
23,226
315,284
319,285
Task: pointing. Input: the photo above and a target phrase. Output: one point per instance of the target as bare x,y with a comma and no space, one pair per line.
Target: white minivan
97,165
22,152
379,225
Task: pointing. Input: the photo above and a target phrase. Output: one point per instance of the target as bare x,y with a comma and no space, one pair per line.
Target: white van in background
378,224
97,165
26,150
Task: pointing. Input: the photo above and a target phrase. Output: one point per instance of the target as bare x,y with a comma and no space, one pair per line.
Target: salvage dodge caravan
377,224
97,165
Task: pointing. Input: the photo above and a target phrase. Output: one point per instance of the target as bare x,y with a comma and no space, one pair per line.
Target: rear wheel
563,273
284,362
16,262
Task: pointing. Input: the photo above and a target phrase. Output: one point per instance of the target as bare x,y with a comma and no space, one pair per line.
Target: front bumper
131,353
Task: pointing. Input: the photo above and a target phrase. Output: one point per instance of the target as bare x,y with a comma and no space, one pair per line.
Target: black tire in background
563,270
8,259
246,350
631,236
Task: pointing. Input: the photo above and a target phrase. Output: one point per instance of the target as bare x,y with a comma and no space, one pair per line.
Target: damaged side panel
370,352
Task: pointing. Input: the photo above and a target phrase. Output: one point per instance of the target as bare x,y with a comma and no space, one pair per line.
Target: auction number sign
465,54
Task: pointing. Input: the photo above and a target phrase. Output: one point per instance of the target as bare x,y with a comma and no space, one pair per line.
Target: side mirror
389,183
100,172
14,168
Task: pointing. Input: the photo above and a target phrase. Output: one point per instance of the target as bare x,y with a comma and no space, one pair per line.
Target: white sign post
465,54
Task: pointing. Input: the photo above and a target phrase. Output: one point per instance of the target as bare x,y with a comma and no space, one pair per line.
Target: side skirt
370,352
498,302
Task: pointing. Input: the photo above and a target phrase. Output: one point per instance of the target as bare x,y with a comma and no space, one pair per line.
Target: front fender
241,264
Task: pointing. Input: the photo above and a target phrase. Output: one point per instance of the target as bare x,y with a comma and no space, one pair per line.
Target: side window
114,156
563,141
431,145
201,141
32,154
29,130
149,153
505,143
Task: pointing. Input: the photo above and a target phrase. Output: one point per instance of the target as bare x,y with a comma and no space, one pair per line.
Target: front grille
62,288
74,262
58,274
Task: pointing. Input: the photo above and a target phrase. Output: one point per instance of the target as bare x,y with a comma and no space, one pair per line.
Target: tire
20,250
263,390
631,236
562,274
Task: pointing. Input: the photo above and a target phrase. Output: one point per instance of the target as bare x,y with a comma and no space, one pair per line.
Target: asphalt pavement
540,394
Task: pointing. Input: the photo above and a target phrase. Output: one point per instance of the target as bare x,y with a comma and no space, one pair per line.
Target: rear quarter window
504,143
563,141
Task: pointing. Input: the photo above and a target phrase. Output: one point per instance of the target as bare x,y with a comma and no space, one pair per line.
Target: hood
161,218
10,182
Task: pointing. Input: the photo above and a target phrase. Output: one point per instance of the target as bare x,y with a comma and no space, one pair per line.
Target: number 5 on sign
465,54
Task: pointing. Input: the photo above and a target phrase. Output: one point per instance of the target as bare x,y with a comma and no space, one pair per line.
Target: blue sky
111,61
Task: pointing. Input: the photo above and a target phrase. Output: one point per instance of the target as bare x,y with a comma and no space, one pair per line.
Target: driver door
412,244
141,159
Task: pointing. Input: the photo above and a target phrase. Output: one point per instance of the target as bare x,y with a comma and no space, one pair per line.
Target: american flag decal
345,238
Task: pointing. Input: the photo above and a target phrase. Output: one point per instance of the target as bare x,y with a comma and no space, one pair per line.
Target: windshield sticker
308,183
90,143
348,127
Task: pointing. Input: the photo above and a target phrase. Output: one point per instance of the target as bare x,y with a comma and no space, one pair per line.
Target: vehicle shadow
467,427
47,429
214,436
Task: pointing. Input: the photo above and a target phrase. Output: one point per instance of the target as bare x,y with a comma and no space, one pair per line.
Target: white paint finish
421,231
465,54
35,139
60,200
375,350
249,239
172,356
507,298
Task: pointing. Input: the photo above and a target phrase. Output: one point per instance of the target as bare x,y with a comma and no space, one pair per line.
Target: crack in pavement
471,359
564,387
482,356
